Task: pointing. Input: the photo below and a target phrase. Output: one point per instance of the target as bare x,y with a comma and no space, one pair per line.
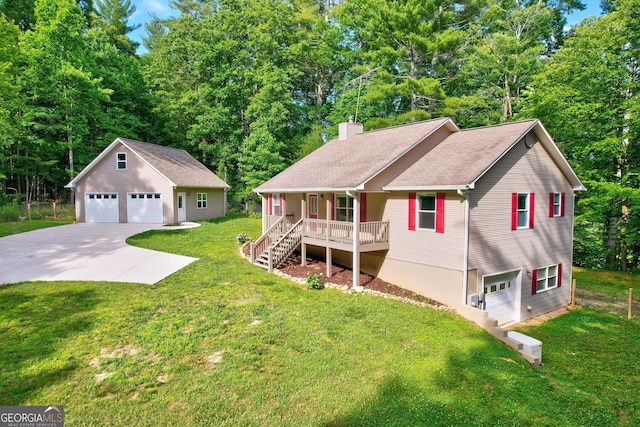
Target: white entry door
101,207
144,208
501,297
182,208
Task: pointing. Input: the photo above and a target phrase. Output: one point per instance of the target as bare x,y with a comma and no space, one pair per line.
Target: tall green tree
113,17
588,97
10,100
61,94
404,48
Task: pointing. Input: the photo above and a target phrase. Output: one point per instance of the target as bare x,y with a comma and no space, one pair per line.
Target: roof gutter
304,190
463,187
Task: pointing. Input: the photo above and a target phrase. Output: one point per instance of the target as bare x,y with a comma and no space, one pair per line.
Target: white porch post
304,214
283,208
329,209
265,212
356,243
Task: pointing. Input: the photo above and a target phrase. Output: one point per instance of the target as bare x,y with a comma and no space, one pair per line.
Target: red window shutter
551,200
534,281
282,204
559,278
514,211
562,204
531,209
363,207
412,211
270,204
333,207
439,212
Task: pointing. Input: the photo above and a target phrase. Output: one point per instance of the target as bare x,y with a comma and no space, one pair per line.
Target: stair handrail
278,257
265,240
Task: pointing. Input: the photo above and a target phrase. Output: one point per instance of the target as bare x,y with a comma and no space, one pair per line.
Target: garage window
122,161
202,200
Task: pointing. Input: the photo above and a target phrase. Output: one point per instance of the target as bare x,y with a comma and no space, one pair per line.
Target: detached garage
133,181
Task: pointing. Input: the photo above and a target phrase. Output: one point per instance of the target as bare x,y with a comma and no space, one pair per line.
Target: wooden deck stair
280,249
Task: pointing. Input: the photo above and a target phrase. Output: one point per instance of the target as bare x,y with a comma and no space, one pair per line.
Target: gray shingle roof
345,164
178,166
462,157
457,161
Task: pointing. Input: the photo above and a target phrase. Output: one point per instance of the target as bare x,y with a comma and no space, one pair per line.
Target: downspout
465,249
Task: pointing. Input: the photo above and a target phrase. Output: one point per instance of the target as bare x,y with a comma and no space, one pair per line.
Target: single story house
478,219
133,181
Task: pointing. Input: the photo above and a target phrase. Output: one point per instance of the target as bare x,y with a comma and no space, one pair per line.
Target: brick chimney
345,130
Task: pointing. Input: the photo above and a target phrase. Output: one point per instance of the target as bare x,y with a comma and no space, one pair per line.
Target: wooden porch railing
285,245
277,228
342,232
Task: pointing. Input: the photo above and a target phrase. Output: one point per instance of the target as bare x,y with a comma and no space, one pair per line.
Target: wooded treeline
249,86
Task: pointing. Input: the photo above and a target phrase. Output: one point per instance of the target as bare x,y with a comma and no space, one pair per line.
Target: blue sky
146,8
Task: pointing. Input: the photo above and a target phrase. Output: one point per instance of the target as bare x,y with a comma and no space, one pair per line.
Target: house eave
305,190
430,187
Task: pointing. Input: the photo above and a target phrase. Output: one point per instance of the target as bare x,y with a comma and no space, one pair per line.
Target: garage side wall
215,206
138,177
495,248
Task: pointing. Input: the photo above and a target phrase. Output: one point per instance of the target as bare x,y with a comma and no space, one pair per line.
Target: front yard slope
225,343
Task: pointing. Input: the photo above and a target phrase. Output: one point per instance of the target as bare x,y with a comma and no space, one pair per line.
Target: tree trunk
612,243
624,220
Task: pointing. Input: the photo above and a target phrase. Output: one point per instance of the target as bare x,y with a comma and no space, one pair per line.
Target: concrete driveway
87,252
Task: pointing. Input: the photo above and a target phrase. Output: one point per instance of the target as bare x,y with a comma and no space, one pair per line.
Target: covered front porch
327,220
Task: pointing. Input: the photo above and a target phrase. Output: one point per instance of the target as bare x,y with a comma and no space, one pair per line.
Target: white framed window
426,212
557,204
202,200
276,204
546,278
344,208
523,210
122,161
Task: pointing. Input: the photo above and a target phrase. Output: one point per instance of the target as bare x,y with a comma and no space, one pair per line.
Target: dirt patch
342,278
538,320
617,304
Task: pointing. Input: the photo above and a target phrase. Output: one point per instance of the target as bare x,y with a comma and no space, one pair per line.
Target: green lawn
15,227
224,343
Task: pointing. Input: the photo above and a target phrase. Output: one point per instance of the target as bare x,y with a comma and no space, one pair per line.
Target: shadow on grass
36,324
490,385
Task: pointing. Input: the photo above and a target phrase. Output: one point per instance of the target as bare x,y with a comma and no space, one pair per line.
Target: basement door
501,297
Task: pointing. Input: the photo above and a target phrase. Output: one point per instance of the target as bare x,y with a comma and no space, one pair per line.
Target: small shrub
10,212
315,281
242,238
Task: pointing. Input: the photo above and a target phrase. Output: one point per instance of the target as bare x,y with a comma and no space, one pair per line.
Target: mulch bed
342,277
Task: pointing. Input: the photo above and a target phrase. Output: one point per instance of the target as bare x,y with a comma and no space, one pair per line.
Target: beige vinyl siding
425,262
494,247
426,247
139,177
215,204
407,160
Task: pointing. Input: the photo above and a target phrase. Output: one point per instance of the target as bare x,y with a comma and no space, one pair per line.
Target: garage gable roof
178,167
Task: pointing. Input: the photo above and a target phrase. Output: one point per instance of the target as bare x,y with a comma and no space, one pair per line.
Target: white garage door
144,207
500,294
101,207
